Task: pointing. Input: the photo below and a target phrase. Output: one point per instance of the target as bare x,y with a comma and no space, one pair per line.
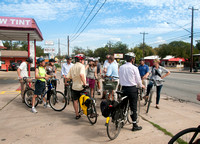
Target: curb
9,102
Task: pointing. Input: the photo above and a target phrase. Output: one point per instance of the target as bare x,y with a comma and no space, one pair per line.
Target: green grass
180,141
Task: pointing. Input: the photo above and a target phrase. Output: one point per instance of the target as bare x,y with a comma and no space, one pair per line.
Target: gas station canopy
14,28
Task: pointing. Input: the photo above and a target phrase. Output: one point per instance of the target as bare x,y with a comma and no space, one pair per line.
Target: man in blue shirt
112,71
144,72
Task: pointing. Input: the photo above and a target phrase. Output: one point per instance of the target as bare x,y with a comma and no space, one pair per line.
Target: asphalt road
182,86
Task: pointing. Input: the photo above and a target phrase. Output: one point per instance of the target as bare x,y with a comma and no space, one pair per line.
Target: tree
78,50
198,46
89,53
7,44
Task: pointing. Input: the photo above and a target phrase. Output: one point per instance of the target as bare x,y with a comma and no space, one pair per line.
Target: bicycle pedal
106,124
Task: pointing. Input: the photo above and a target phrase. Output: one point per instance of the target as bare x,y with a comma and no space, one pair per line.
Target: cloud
39,9
115,39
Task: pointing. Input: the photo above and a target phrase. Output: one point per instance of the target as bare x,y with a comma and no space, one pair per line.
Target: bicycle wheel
92,114
113,128
57,101
28,96
138,108
187,136
149,102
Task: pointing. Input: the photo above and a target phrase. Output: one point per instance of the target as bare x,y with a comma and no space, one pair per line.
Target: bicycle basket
109,85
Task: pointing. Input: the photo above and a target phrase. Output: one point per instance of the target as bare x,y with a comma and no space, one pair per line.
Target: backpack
85,103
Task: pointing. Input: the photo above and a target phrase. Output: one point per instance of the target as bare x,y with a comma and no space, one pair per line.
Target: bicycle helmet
130,54
80,56
39,60
29,60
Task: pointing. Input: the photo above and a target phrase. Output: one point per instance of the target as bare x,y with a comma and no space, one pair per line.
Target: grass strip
180,141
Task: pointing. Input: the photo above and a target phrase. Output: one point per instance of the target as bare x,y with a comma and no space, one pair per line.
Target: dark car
14,66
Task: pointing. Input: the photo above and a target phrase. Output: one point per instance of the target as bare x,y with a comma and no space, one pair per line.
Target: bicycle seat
120,92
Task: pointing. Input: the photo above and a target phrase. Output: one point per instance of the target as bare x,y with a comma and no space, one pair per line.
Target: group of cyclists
128,76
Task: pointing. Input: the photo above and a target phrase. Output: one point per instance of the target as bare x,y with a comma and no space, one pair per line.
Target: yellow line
2,92
9,92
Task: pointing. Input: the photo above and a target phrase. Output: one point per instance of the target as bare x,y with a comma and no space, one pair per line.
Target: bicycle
57,100
117,117
91,112
187,136
25,81
149,100
140,94
68,92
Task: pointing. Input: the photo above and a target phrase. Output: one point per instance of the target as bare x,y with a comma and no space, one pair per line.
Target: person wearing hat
41,77
144,72
51,70
129,78
22,72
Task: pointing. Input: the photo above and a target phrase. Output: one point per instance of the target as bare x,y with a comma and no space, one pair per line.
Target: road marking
9,92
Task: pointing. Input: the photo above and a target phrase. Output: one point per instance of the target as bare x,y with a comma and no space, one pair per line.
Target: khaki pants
144,82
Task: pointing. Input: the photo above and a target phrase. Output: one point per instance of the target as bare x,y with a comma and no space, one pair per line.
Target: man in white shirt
129,78
65,70
22,72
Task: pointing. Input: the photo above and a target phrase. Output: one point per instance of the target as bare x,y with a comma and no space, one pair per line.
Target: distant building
10,56
149,59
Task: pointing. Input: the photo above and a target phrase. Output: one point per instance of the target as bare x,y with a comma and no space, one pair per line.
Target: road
182,86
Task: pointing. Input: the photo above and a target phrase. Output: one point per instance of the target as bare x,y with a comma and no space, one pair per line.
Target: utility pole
59,53
191,49
68,44
143,41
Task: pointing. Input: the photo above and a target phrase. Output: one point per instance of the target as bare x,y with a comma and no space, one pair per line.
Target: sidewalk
19,126
173,115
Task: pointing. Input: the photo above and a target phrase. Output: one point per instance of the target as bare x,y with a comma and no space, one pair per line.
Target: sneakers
48,106
136,127
33,110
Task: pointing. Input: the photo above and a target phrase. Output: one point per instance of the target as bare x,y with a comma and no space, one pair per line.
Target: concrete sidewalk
173,114
19,126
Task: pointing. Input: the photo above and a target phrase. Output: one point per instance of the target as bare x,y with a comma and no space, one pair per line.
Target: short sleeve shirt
74,74
23,68
112,70
143,69
106,64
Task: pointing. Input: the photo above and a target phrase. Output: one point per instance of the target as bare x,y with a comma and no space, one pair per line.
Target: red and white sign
49,50
15,22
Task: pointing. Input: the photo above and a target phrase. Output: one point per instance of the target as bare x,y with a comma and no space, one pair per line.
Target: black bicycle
187,136
148,101
57,101
118,116
88,107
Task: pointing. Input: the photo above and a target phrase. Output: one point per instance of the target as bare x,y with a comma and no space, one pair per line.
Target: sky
118,20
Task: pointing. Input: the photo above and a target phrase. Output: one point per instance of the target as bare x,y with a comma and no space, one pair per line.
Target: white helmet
130,54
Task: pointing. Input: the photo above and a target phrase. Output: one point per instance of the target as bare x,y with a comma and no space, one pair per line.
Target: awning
177,59
14,53
15,28
2,47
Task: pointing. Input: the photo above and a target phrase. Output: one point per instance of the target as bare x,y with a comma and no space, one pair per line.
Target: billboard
119,55
49,42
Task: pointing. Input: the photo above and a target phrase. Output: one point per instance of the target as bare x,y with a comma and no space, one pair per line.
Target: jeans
149,87
54,84
132,94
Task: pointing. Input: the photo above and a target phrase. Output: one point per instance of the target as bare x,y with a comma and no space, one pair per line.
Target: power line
85,20
90,21
81,17
143,40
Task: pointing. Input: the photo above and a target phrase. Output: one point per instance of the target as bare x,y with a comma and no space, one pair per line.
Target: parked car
14,66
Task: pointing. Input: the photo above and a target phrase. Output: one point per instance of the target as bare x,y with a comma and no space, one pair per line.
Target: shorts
39,87
91,83
76,94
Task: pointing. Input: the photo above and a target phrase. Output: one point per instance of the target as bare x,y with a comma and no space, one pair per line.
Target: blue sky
118,20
